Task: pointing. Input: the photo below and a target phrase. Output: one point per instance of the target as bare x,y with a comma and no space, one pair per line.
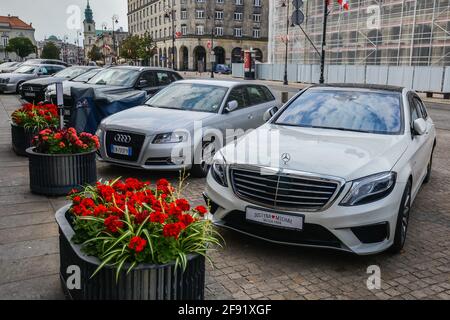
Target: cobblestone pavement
245,268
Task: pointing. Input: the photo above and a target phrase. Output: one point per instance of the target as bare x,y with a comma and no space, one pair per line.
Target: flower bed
27,121
128,232
62,160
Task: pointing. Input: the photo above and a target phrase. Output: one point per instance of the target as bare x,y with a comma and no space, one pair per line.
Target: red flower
100,210
113,223
174,210
173,230
201,210
158,217
76,200
183,204
186,219
137,244
141,216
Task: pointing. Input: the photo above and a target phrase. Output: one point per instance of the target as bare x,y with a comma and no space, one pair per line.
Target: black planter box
145,282
58,174
21,139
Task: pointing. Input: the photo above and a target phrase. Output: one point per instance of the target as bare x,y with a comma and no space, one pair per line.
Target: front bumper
337,227
8,87
154,157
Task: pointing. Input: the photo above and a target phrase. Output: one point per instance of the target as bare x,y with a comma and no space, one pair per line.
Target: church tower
89,30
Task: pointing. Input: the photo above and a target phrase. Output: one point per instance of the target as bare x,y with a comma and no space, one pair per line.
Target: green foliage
138,47
50,51
22,46
95,54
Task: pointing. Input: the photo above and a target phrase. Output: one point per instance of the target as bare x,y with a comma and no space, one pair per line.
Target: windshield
361,111
190,96
7,64
70,72
25,69
85,77
116,77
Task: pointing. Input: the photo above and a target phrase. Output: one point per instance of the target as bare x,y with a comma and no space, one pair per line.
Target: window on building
238,32
200,30
238,16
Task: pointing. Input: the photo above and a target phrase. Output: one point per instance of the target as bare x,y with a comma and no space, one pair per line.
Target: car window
189,96
239,94
116,77
43,70
175,76
26,69
376,112
421,107
163,78
255,95
148,76
267,93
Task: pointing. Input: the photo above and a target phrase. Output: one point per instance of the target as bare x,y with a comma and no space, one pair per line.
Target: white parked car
351,161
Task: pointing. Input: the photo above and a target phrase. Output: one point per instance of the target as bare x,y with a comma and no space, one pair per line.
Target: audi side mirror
419,126
270,113
231,106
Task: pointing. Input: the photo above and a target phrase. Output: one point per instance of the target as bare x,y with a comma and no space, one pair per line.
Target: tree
136,47
21,46
95,54
50,51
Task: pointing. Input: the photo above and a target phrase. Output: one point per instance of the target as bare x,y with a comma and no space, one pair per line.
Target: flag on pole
344,4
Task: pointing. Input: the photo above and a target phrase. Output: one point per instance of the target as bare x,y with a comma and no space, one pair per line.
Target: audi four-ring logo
123,138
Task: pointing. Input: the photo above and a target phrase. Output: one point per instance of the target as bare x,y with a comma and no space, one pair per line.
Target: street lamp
212,43
115,20
284,5
170,13
5,38
64,46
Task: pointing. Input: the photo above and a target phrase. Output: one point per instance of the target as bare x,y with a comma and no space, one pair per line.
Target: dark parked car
222,68
122,79
34,90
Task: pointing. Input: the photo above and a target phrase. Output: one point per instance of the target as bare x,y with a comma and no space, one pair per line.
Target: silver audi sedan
182,126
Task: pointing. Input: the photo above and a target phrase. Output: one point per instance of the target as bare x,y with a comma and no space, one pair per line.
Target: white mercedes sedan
337,167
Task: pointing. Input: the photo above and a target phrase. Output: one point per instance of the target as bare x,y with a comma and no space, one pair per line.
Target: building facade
13,27
107,40
201,28
69,52
371,32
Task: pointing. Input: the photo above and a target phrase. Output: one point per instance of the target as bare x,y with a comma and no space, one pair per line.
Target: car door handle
250,116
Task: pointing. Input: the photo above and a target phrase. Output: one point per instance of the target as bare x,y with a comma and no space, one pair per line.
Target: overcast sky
51,17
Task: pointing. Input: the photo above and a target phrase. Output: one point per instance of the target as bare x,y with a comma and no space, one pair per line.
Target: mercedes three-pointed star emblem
286,157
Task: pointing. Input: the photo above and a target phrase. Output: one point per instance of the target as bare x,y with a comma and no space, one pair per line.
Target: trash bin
249,65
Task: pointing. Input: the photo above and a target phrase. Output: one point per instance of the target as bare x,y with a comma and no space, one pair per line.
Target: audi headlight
170,137
219,170
370,189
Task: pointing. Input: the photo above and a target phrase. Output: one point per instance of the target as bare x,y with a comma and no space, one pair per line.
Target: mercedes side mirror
419,126
270,113
231,106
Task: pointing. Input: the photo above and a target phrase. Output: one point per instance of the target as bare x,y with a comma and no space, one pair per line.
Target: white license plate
275,219
125,151
30,94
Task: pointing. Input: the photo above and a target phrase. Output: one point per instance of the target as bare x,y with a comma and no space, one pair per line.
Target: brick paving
245,268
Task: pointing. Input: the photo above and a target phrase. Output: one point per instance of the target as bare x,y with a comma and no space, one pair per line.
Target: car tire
429,167
401,227
201,170
17,88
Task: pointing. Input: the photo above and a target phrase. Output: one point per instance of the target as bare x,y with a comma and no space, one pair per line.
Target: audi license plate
286,221
125,151
30,94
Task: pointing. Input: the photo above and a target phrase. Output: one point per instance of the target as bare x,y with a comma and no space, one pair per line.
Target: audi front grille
283,190
135,141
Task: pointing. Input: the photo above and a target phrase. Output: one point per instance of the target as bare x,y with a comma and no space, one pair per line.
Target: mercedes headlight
219,170
170,137
370,189
6,80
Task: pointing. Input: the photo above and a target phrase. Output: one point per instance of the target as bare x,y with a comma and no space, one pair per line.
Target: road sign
297,17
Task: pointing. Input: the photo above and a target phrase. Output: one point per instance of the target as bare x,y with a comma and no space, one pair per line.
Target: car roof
361,86
138,68
218,82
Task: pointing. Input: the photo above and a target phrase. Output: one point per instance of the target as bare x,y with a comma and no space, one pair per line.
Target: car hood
46,81
15,75
343,154
149,120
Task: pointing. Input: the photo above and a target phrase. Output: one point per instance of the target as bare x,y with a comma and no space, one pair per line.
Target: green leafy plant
130,222
36,117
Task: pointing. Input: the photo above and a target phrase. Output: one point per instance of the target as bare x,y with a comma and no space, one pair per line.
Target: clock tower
89,30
